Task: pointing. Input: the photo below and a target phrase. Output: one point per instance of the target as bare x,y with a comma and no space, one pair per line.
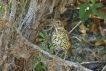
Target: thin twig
92,62
104,68
75,27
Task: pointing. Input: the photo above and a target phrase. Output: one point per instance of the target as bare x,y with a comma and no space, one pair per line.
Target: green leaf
51,46
94,10
38,59
82,9
93,1
102,16
42,35
98,5
104,40
39,39
85,16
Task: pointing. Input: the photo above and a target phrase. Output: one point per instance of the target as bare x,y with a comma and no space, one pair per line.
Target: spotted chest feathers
60,39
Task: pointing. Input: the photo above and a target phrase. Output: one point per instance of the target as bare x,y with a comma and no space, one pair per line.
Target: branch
75,27
25,49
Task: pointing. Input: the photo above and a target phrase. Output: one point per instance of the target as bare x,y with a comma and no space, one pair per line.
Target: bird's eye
58,22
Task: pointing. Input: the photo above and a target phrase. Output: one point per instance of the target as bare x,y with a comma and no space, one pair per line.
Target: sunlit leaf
82,26
39,40
42,35
104,40
100,43
83,29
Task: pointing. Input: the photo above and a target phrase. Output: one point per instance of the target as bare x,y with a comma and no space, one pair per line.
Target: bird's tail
69,52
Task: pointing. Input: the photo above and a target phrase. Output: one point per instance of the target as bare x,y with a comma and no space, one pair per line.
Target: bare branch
27,48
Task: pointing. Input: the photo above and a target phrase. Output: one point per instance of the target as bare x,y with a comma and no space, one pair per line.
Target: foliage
42,38
42,35
105,40
30,17
2,9
88,8
37,65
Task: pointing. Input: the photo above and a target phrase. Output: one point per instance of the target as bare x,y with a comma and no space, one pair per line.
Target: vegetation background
25,35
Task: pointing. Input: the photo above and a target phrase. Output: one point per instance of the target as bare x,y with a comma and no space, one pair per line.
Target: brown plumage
60,38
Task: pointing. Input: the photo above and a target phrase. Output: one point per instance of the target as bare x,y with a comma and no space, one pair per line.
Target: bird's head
57,23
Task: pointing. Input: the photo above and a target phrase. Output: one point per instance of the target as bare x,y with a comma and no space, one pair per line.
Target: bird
60,38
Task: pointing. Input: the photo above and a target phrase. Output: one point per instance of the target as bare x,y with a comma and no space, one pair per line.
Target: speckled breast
60,40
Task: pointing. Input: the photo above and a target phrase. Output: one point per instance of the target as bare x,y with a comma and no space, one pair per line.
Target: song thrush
60,38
